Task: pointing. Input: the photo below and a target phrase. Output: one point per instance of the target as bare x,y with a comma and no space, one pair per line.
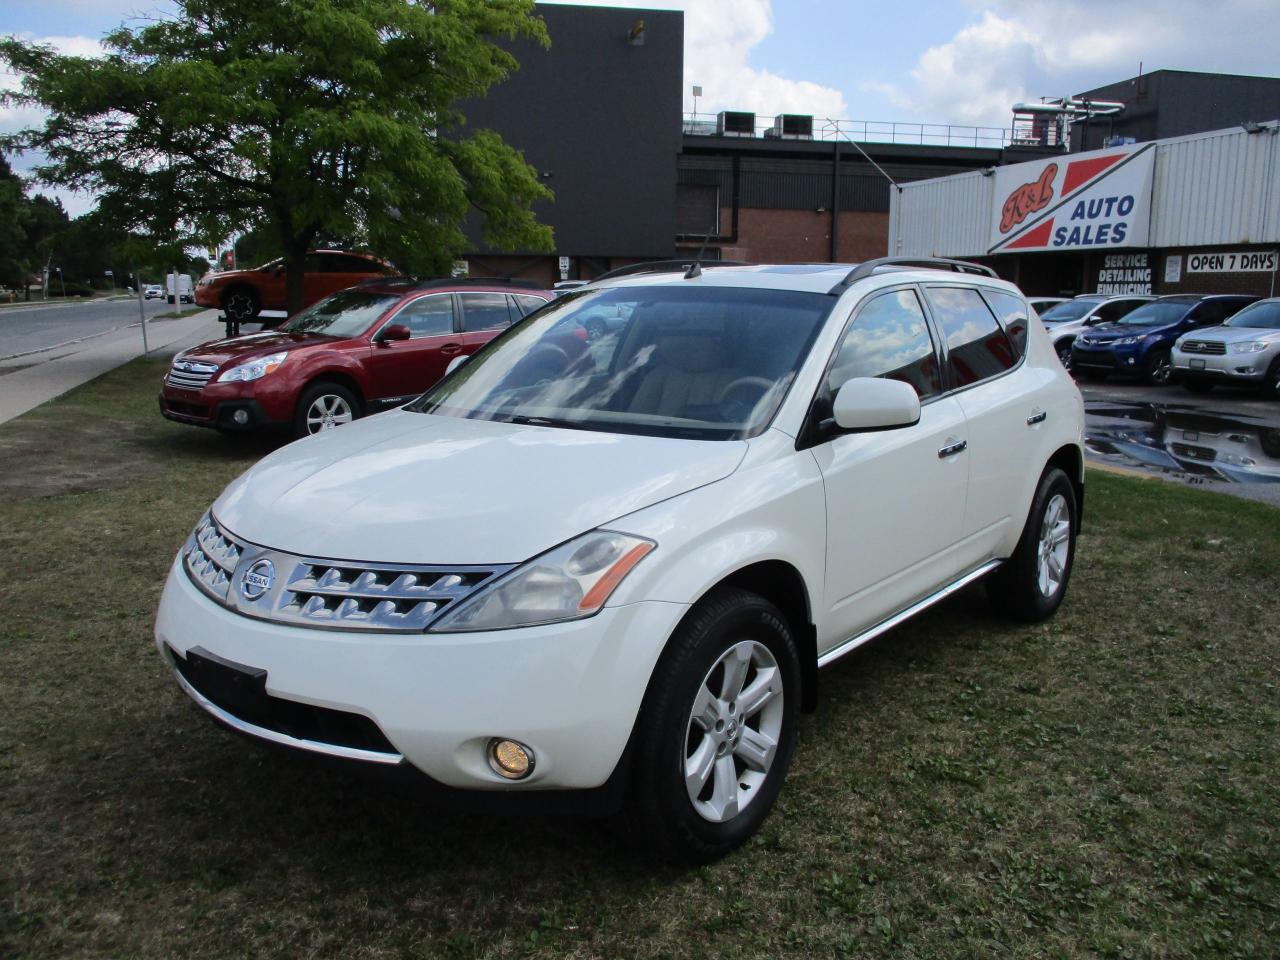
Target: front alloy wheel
716,729
733,731
328,411
1159,368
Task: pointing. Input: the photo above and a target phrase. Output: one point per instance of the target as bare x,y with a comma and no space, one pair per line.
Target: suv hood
244,348
1233,334
1106,332
406,487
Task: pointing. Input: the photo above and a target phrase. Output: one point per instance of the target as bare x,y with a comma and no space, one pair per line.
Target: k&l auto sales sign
1082,201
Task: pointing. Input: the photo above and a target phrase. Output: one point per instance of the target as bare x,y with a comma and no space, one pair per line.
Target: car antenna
695,268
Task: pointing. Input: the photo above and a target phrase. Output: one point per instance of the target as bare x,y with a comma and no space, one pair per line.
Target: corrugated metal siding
1215,188
947,217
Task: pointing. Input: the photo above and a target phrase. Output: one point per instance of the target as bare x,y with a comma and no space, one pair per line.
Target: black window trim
810,436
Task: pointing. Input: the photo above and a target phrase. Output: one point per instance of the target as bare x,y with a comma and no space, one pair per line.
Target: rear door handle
449,349
1038,416
951,449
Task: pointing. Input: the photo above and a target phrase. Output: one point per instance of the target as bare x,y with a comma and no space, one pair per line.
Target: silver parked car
1071,317
1244,350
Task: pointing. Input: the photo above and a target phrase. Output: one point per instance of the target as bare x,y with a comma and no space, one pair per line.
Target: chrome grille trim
1211,347
190,374
329,594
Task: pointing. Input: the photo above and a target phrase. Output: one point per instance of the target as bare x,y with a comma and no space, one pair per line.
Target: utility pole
142,311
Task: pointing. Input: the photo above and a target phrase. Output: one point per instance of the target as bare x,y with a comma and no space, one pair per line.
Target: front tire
1064,354
1270,388
1031,584
717,728
241,304
1159,368
324,406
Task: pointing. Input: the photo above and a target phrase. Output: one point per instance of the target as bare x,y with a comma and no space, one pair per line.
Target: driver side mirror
394,331
873,403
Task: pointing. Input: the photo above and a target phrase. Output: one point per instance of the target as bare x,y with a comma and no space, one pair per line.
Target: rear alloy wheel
324,407
241,304
1031,583
717,728
1159,368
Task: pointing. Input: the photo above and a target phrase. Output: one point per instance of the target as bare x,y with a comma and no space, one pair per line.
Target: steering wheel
763,384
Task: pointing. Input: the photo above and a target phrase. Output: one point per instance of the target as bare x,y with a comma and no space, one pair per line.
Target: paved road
40,326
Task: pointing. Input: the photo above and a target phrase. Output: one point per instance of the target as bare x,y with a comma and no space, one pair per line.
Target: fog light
241,416
1129,361
510,759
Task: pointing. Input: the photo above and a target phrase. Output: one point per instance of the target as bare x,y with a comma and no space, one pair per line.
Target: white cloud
1025,49
719,36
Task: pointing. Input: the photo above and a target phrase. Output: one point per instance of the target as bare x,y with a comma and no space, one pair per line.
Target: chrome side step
836,652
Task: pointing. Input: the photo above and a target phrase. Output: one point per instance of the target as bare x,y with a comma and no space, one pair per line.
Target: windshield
1071,310
709,363
344,314
1157,314
1264,315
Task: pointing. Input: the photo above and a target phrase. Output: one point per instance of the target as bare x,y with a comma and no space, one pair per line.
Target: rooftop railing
862,131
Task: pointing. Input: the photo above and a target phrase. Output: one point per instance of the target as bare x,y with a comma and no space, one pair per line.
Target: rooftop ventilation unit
733,123
791,126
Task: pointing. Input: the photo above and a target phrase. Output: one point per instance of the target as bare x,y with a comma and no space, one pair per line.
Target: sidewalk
42,376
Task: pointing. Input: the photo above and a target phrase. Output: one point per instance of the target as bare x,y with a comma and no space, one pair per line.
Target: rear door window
1012,313
484,311
977,348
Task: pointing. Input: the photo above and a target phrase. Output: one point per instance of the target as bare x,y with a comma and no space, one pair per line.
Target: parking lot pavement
28,381
1228,441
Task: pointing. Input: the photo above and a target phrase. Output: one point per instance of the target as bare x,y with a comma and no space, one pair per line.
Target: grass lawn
1104,784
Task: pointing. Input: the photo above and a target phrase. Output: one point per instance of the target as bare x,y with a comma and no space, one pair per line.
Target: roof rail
864,270
427,283
666,266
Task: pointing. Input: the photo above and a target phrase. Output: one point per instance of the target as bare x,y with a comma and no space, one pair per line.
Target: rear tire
324,406
1031,584
717,728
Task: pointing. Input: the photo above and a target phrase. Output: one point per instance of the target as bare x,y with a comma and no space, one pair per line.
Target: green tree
14,215
305,117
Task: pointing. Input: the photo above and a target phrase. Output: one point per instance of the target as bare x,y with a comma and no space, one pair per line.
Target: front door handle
951,449
1038,416
449,349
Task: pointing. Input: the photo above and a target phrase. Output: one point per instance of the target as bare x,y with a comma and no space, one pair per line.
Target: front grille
1213,347
190,374
211,556
333,594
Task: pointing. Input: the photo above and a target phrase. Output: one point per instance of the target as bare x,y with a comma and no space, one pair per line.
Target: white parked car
605,572
1244,350
1067,320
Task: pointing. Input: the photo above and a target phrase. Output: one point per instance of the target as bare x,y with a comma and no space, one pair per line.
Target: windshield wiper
524,421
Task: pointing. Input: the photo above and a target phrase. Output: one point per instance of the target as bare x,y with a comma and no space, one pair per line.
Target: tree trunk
295,258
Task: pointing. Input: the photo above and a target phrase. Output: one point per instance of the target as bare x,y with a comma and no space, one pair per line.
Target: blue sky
962,62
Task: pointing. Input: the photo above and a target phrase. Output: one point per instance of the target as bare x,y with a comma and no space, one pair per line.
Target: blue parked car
1140,343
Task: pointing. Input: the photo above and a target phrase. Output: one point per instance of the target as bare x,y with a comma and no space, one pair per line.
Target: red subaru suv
364,349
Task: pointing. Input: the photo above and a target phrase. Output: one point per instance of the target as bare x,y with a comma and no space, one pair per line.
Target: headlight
1249,346
254,369
1123,341
568,583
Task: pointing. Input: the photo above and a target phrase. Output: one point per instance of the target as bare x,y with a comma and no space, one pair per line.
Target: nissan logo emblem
257,580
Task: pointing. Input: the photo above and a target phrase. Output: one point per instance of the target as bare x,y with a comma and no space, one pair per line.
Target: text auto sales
1095,234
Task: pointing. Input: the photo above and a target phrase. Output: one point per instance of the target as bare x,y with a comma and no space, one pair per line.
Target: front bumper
570,691
220,414
1244,368
1126,359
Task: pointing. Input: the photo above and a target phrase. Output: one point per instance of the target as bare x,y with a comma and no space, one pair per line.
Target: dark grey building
598,115
1175,103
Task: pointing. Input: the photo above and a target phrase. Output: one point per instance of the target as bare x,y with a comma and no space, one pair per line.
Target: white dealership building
1194,214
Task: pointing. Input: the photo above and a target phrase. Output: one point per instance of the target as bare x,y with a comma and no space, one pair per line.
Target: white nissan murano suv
600,569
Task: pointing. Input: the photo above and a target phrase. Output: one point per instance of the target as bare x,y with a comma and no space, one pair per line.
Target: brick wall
804,236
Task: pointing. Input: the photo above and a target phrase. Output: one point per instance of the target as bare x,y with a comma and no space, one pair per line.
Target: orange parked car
243,294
